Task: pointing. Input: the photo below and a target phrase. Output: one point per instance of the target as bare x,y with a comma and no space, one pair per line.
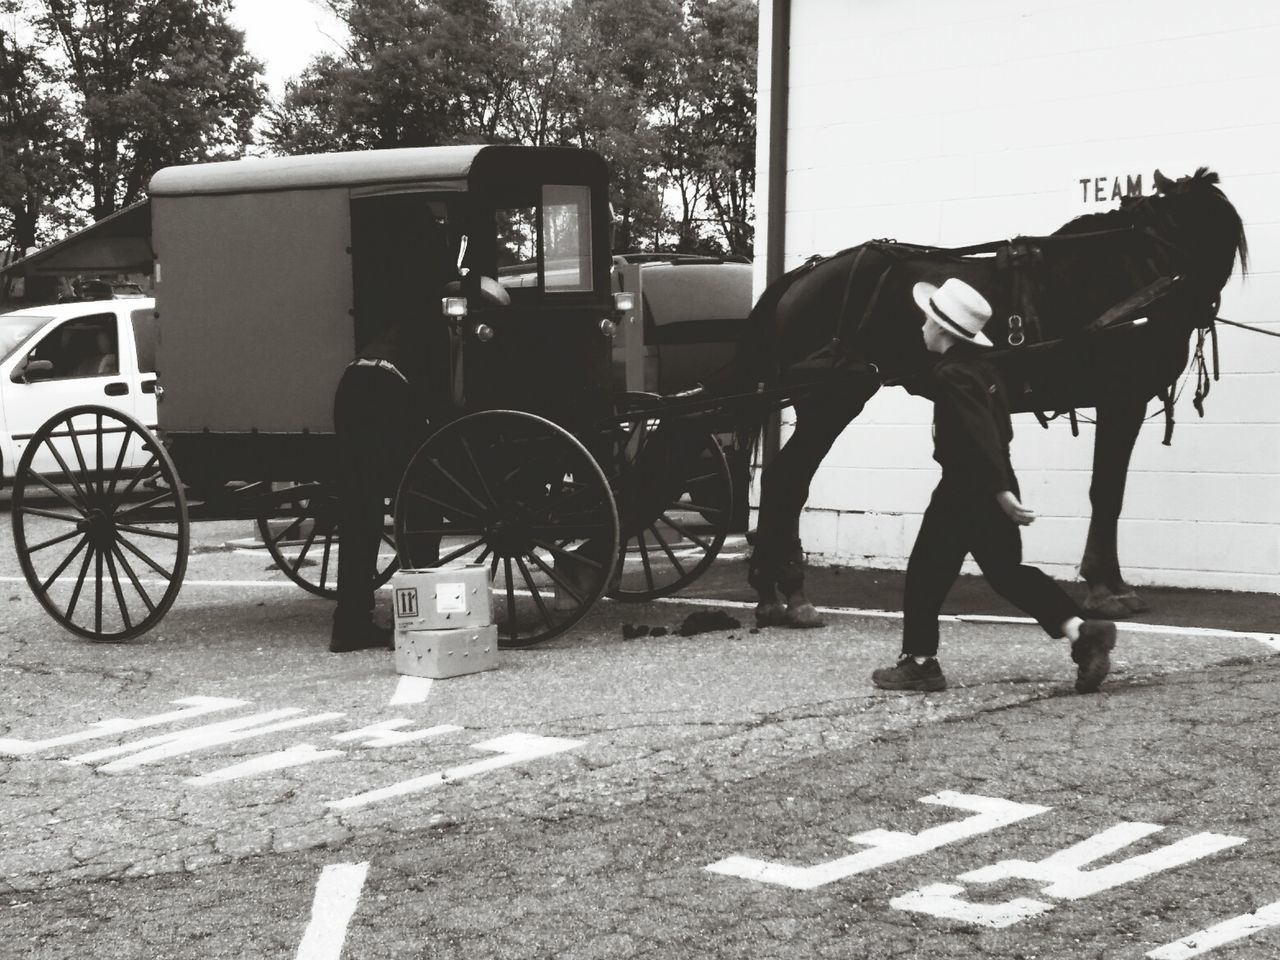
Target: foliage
664,89
33,143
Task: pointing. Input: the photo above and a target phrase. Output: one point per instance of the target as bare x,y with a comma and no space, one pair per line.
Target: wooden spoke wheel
675,500
302,538
520,494
100,523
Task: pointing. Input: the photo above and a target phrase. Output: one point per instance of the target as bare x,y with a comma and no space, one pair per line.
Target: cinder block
446,653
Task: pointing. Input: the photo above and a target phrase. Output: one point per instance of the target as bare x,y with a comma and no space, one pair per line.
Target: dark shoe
1092,654
906,674
360,636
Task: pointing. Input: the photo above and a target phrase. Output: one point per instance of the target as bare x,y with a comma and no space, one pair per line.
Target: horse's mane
1204,181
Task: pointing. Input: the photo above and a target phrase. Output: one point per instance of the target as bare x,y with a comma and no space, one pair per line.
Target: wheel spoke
84,572
115,580
84,467
475,468
141,474
97,592
44,481
560,581
49,543
98,462
324,560
454,480
537,595
459,552
139,507
684,532
446,507
146,532
115,471
66,470
137,552
50,515
306,547
133,578
707,512
666,549
511,595
66,562
567,554
644,560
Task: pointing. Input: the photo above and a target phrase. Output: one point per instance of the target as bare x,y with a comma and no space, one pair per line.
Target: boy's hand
1014,509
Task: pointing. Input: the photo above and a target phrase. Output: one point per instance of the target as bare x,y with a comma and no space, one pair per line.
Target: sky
285,34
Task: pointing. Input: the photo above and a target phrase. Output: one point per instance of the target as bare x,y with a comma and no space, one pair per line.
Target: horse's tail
756,367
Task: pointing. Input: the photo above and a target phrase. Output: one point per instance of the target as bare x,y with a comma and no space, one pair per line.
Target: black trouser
377,431
959,521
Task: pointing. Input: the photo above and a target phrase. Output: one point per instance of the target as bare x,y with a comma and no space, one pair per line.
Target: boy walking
976,507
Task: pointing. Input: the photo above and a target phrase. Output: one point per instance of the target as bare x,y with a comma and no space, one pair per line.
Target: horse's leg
1119,420
777,560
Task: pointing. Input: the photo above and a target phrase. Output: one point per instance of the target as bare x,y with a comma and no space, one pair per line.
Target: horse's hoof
1106,608
804,616
771,615
1133,602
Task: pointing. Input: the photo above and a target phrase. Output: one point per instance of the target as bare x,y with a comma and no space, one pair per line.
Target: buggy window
544,239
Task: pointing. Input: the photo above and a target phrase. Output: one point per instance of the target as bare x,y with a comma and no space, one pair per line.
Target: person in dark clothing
976,508
380,415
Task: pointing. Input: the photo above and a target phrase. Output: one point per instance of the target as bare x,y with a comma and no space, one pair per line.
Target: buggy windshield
15,330
544,239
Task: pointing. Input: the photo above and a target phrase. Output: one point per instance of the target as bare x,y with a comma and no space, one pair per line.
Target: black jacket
971,425
419,349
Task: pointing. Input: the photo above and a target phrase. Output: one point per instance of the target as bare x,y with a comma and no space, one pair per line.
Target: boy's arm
982,454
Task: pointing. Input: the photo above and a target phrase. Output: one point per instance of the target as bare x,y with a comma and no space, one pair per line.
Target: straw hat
955,307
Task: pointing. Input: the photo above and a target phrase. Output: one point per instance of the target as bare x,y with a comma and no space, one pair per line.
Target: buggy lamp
624,301
454,306
482,332
608,327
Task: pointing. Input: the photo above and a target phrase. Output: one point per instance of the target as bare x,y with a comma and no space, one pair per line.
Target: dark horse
1099,314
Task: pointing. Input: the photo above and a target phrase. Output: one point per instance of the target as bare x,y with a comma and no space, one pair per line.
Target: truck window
146,329
83,347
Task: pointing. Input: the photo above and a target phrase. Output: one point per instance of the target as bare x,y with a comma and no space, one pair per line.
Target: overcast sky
285,34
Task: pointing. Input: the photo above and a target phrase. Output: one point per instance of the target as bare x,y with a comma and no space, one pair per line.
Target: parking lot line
337,895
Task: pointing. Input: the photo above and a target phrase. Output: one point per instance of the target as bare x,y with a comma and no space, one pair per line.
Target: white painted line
196,706
411,690
266,763
337,895
386,733
1228,931
944,900
512,748
1270,639
886,846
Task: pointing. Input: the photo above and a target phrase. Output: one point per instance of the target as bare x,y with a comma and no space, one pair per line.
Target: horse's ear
1163,183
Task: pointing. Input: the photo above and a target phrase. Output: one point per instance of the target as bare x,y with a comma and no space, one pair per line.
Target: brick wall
944,122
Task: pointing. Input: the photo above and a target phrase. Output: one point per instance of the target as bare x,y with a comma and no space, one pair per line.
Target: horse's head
1197,221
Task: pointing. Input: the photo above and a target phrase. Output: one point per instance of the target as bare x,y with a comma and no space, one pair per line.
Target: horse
1100,314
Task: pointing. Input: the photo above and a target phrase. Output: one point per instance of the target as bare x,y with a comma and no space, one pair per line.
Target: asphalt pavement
225,787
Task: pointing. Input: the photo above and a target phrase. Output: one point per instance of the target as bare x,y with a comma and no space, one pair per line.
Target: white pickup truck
63,355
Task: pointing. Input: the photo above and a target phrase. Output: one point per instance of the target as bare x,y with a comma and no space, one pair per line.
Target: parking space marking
512,748
1272,640
194,707
886,846
336,899
303,753
411,690
1228,931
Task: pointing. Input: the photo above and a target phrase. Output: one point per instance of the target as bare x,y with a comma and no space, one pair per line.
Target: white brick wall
948,122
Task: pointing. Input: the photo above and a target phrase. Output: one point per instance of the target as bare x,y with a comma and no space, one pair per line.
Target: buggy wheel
303,539
675,495
524,497
101,528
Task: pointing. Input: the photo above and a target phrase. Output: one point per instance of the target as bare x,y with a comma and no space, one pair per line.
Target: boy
976,507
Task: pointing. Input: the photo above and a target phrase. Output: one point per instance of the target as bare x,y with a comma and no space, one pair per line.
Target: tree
155,82
33,143
415,73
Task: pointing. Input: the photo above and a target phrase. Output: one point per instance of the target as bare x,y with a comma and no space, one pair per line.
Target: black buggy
269,273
